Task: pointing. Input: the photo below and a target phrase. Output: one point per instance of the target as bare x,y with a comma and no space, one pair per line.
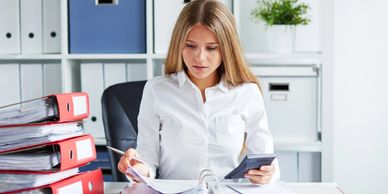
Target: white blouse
181,135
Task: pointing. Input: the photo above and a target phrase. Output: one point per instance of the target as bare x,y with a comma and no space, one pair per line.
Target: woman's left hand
262,175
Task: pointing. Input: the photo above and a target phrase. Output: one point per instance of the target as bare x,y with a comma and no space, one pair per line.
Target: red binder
67,106
72,106
74,152
83,183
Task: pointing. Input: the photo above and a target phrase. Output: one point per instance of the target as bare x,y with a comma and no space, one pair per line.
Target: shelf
105,56
308,146
31,57
99,141
285,59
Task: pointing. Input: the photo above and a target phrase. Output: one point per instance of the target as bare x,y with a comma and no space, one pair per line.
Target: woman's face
201,53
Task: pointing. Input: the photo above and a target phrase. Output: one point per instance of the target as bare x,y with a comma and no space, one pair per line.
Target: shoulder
248,88
160,82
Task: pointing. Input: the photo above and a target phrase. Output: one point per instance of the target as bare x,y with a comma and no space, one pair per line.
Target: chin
200,75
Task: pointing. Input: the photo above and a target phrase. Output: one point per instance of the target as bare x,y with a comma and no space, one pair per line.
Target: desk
297,188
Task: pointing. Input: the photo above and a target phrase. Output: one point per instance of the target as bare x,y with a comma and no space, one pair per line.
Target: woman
206,108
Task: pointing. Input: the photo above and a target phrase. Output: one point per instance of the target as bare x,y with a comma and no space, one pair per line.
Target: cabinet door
309,166
291,104
9,84
52,81
136,71
165,16
288,163
31,81
92,82
114,73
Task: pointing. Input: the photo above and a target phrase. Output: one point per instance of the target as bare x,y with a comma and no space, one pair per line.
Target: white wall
361,96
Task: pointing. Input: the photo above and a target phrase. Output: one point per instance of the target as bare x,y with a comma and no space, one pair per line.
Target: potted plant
281,18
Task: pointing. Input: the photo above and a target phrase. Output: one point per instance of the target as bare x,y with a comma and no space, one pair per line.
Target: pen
123,153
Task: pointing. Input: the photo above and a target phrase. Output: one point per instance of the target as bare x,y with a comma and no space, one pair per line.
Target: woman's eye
211,48
190,46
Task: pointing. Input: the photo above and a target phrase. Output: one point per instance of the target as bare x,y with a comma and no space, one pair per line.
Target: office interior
326,100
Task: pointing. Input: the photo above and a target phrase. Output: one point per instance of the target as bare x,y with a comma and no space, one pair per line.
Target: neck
207,82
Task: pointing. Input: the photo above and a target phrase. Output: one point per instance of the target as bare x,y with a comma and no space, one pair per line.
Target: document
27,112
37,159
24,136
56,108
13,182
149,185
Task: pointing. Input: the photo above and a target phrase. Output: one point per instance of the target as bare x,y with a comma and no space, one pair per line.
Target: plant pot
280,38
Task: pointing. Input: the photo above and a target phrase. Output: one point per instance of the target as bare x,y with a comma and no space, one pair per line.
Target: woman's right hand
128,160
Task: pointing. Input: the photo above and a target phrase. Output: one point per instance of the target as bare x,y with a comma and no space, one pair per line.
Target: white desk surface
297,188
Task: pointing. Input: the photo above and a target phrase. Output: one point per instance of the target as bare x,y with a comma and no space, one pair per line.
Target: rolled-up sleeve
259,139
148,130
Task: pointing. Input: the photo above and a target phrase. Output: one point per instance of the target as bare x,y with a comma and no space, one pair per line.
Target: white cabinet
291,82
292,101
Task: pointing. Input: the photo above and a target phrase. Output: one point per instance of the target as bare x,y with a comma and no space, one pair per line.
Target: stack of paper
23,136
11,182
37,159
27,112
42,145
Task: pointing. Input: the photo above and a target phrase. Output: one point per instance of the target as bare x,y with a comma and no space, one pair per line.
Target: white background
360,149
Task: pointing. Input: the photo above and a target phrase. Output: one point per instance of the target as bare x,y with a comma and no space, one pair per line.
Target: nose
201,54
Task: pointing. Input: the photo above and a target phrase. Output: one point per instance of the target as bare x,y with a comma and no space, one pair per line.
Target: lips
200,67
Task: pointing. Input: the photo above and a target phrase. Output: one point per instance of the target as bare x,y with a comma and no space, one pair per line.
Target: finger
267,168
130,154
259,172
259,179
133,178
123,164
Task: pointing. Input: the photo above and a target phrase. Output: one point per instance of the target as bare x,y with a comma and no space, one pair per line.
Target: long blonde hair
216,16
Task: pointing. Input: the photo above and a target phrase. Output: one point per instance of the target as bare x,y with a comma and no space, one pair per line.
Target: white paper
79,104
12,182
26,112
84,149
170,186
248,188
72,188
18,137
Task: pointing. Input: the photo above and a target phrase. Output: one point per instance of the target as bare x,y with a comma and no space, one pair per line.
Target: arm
147,137
259,139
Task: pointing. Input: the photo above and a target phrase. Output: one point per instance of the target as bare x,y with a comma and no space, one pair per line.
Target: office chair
120,107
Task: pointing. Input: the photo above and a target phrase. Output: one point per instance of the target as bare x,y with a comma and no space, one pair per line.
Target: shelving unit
312,55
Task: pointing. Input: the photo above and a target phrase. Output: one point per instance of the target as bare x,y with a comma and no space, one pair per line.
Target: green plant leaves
281,12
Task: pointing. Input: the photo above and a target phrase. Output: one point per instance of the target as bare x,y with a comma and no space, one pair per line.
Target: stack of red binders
42,144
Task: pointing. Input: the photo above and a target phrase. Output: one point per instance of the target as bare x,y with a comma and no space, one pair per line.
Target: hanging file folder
53,108
97,27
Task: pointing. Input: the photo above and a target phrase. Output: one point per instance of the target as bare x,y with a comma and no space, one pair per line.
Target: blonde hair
216,16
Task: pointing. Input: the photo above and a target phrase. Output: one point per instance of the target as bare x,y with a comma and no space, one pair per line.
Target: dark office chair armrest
120,107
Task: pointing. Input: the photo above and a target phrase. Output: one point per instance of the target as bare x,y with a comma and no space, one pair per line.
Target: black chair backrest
120,108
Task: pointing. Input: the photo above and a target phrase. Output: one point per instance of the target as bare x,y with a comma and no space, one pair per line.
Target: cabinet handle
279,87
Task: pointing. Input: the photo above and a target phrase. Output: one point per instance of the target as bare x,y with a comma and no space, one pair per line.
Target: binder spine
72,106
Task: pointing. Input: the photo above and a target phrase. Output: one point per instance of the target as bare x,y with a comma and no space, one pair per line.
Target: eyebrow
212,43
